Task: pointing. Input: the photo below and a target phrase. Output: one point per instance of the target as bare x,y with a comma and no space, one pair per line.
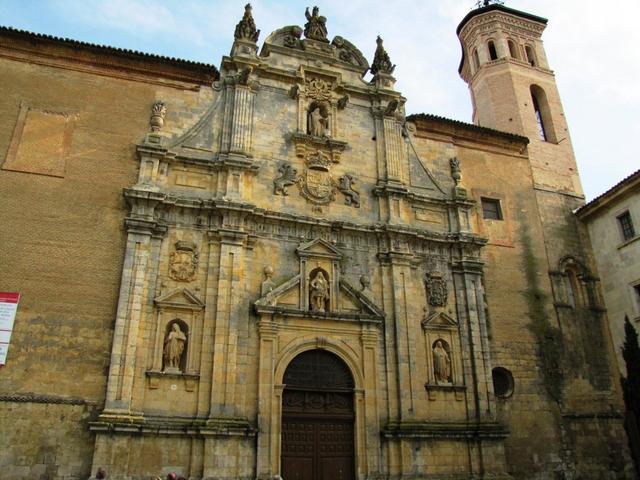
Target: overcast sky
593,47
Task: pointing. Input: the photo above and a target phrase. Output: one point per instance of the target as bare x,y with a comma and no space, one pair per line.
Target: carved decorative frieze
316,183
318,89
183,262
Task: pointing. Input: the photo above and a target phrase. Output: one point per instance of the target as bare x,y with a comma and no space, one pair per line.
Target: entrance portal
317,418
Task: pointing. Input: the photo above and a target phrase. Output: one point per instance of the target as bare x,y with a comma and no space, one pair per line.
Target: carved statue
174,347
246,28
381,61
345,185
183,262
318,123
315,28
319,292
456,173
158,112
441,364
288,176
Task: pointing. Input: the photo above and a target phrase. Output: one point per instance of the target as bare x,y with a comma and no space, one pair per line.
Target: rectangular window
491,208
626,226
636,289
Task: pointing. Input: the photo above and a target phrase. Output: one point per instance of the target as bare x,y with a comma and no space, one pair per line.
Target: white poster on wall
8,309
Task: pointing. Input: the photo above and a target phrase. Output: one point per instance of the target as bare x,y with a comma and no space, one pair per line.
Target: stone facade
617,253
281,208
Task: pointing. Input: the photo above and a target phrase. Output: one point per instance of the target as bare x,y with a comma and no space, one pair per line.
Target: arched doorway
317,418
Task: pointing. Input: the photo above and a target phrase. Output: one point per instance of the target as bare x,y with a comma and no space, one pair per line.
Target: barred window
626,226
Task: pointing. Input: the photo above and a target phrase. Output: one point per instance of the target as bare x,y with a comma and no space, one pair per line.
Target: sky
592,48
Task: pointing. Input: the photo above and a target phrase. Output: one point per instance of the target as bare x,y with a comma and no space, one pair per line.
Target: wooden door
317,419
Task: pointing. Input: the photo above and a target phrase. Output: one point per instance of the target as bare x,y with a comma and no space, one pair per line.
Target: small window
491,209
636,291
541,130
531,57
493,54
476,58
513,50
626,226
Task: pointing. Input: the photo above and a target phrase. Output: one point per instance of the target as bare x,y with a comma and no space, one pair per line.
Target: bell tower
513,89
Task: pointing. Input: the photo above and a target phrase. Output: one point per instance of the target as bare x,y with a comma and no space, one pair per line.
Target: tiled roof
612,191
467,126
122,52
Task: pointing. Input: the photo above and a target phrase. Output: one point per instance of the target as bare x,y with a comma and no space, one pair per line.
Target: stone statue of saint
315,28
317,123
174,347
319,292
441,364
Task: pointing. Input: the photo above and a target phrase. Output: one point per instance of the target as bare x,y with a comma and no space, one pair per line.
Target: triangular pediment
439,320
180,298
319,248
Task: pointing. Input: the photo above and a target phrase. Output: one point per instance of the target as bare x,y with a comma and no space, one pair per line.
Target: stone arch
304,344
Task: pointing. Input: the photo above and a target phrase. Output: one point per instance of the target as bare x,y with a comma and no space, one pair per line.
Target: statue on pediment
315,28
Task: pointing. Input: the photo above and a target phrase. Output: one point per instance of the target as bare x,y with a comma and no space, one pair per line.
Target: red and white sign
8,308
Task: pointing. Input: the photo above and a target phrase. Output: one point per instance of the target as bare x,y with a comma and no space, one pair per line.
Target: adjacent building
270,269
613,221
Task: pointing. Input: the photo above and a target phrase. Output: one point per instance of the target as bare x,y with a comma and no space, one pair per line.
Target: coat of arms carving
436,289
316,183
183,262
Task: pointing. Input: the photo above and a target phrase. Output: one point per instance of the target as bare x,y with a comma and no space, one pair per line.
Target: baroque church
269,270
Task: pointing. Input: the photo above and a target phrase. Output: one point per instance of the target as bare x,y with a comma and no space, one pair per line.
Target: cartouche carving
436,289
183,262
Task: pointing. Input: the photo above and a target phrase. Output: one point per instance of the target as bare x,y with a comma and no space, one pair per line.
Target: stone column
367,402
229,313
242,121
395,151
129,316
476,361
268,434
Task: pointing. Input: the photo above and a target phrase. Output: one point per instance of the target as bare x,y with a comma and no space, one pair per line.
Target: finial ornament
381,61
158,112
316,26
246,28
486,3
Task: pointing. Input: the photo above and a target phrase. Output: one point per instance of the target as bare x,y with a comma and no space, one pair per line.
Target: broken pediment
180,298
439,321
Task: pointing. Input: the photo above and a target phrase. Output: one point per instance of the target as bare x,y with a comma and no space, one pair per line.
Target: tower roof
491,8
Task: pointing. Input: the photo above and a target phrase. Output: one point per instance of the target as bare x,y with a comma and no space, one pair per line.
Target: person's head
101,473
172,476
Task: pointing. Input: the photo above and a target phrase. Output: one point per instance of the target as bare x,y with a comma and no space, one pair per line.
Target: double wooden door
317,435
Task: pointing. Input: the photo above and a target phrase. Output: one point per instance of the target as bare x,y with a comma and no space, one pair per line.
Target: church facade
270,270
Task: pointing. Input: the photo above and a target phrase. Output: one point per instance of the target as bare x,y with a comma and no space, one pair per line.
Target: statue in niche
319,292
315,28
318,121
174,347
441,364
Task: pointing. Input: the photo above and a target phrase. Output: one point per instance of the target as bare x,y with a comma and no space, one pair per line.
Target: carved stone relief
288,176
183,262
436,289
158,112
345,185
